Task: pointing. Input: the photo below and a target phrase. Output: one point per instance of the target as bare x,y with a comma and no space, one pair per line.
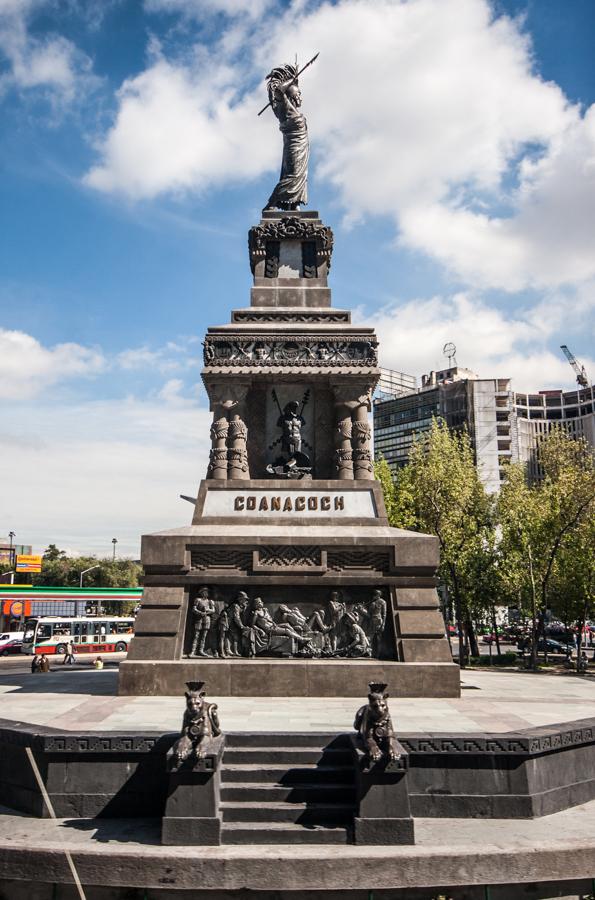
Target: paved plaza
84,699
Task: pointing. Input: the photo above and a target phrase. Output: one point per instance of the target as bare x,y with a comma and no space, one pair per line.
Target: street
19,663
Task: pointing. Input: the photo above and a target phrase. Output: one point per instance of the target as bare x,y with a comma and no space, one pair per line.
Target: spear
294,79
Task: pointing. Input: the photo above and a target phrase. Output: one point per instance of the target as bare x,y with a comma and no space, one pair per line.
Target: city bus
89,634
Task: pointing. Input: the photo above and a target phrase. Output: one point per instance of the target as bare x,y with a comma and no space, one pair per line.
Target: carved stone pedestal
290,581
192,805
382,797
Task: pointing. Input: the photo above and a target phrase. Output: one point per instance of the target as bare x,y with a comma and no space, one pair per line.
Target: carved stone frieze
297,316
290,228
356,560
321,352
203,558
288,622
281,556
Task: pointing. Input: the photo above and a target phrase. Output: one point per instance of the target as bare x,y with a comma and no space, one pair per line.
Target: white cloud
27,367
95,469
200,8
52,63
174,355
491,342
427,111
100,470
178,131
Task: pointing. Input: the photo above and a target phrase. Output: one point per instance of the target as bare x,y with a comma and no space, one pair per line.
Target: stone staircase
287,789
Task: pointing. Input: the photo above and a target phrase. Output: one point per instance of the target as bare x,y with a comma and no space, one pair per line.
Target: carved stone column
218,396
343,430
237,435
229,455
218,455
237,438
363,468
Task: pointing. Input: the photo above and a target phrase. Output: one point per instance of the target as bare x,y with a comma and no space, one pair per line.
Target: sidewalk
74,699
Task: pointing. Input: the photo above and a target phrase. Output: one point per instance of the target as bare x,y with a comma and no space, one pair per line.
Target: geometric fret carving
203,558
305,557
350,560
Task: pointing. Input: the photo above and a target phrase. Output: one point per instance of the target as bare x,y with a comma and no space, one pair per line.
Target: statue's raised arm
285,99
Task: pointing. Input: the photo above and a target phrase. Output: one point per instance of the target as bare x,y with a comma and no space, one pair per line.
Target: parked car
543,644
10,647
490,638
8,637
551,646
562,637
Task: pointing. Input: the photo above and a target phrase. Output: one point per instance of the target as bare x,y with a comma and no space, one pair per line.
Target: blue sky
453,153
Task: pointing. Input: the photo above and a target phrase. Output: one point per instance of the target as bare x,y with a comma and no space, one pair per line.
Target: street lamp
84,572
114,542
11,535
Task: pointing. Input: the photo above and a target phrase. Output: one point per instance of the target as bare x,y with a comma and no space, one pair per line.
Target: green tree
439,492
572,589
383,474
52,554
60,570
541,522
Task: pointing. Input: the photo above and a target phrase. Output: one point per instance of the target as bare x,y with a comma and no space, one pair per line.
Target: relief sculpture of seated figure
248,628
263,627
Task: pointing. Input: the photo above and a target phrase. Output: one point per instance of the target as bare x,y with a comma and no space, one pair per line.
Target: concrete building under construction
503,425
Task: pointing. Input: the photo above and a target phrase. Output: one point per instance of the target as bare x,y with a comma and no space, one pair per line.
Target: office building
536,414
503,425
461,399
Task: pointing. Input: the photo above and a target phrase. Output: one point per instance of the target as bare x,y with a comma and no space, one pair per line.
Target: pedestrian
98,664
44,663
69,654
35,665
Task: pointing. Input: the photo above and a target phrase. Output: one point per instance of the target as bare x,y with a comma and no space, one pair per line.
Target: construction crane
580,371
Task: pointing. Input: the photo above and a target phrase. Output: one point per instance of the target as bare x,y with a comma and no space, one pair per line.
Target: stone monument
289,581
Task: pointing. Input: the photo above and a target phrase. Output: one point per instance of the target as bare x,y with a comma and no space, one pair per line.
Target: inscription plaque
304,503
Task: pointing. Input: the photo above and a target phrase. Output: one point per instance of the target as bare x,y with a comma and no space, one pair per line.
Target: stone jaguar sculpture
375,728
199,726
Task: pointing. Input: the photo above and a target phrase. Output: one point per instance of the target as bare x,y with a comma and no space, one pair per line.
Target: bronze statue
291,422
199,726
357,643
376,613
237,627
202,611
375,728
294,462
285,98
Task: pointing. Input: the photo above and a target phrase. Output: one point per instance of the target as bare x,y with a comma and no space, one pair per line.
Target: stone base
289,678
383,831
184,832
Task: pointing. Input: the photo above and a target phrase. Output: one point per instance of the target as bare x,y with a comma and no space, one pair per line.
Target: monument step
286,739
287,755
278,773
282,833
300,793
282,811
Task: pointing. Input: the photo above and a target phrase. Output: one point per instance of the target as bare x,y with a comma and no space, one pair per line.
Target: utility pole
114,542
84,572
